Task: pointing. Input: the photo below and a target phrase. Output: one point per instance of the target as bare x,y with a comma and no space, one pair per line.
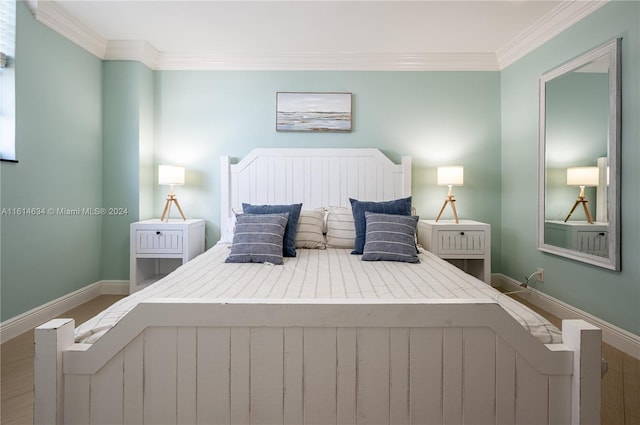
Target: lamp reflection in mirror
582,177
450,176
171,176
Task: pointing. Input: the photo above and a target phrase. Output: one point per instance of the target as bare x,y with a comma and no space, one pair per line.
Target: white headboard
315,177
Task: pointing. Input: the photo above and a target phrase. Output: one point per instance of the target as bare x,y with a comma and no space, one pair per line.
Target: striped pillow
341,231
258,238
390,237
397,206
310,229
289,244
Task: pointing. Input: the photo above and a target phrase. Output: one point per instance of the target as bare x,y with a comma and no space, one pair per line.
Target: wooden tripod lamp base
171,175
449,200
582,177
171,199
581,200
450,176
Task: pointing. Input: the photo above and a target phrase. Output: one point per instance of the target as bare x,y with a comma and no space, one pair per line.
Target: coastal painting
313,112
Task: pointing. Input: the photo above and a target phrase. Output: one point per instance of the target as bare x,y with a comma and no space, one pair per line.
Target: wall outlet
540,274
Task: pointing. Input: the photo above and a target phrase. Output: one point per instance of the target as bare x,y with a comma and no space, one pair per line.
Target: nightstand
157,248
466,245
590,238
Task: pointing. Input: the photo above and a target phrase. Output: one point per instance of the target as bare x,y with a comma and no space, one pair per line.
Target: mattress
329,274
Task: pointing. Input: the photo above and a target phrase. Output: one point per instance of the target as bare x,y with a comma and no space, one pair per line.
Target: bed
323,338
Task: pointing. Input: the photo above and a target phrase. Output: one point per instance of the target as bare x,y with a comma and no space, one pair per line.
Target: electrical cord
530,276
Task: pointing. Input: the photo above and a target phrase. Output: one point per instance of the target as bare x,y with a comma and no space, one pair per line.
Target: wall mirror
579,147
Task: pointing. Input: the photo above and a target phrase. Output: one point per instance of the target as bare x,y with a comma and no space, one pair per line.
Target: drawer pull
601,233
461,233
158,232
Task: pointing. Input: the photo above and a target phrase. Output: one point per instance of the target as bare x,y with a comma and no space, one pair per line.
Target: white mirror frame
612,262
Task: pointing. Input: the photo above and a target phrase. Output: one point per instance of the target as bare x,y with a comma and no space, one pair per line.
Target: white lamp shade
452,175
582,176
170,175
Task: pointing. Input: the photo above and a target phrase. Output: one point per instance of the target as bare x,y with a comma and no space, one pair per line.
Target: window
7,80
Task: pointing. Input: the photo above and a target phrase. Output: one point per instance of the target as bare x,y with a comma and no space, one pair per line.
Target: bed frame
308,362
315,177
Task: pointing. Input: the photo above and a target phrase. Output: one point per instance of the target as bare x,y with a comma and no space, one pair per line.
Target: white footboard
240,362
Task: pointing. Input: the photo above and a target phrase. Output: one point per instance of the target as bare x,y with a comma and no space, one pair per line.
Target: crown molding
553,23
135,50
50,14
332,62
566,14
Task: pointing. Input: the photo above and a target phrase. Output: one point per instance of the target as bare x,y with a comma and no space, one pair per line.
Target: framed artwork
313,112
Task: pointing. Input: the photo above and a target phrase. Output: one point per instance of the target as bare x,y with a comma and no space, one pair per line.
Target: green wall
59,146
439,118
612,296
127,155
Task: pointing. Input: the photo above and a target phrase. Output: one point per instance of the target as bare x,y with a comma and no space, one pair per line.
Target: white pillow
341,230
310,226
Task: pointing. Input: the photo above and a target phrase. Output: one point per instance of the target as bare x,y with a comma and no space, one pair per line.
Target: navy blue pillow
398,206
289,245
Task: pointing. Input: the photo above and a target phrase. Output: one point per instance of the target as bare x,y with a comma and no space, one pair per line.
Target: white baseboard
115,287
24,322
618,338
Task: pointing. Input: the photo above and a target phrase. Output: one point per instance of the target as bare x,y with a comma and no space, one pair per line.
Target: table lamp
450,176
582,176
170,175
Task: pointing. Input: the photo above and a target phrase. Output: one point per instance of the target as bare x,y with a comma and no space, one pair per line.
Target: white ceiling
207,34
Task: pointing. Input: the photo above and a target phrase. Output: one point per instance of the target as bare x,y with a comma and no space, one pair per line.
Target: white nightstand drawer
592,242
159,242
159,247
467,244
461,242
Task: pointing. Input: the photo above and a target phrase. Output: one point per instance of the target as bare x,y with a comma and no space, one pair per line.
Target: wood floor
17,365
620,402
620,386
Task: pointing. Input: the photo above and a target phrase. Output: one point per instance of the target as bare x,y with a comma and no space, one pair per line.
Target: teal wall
439,118
612,296
59,146
127,155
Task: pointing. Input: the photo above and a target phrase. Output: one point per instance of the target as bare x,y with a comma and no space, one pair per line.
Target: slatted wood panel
314,181
319,376
187,376
213,373
133,369
166,242
108,383
313,177
258,375
77,399
160,375
240,375
505,379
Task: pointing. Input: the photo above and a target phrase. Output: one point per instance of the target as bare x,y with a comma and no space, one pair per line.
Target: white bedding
331,274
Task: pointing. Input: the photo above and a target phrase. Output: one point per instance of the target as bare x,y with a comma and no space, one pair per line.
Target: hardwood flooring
17,365
620,386
620,400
